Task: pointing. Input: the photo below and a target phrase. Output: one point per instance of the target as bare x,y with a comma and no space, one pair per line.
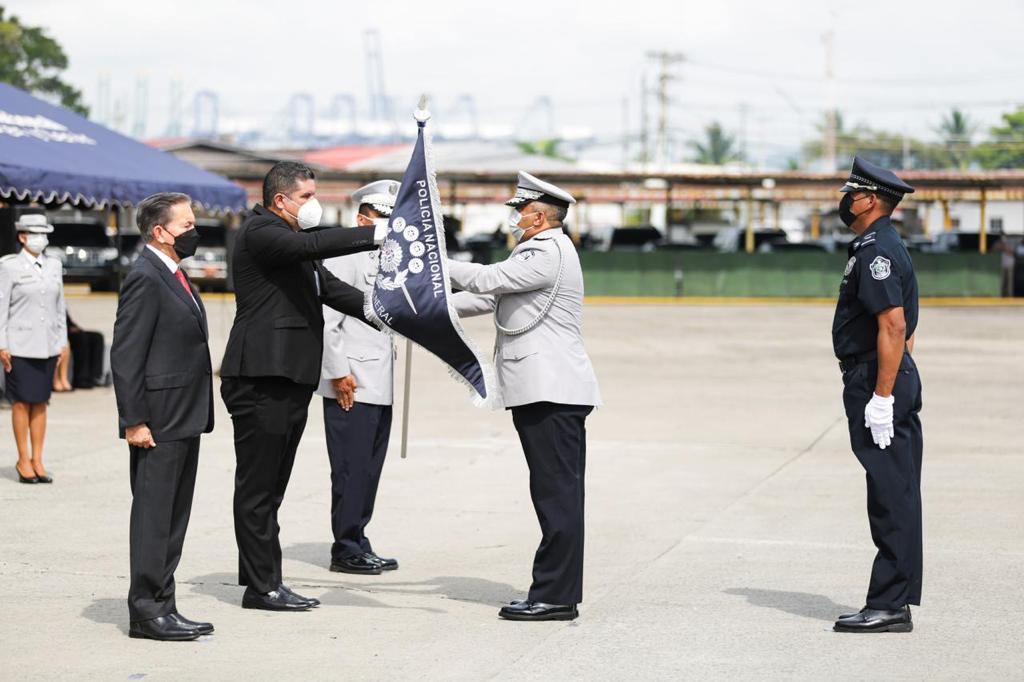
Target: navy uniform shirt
879,275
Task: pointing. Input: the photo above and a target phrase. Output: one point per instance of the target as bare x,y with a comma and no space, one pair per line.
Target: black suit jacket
279,323
160,357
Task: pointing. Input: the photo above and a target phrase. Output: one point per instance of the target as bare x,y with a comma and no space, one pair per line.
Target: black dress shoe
359,564
44,478
844,616
26,479
534,610
201,628
275,600
310,600
876,620
385,564
163,628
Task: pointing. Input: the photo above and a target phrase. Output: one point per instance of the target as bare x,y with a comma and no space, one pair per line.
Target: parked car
734,239
86,251
790,247
968,242
919,242
208,268
639,238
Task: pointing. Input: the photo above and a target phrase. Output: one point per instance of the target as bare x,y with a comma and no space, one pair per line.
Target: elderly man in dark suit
160,360
272,361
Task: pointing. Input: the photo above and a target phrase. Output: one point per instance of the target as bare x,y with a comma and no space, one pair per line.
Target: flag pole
421,111
405,401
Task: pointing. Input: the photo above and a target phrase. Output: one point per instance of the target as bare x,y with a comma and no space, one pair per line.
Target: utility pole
830,88
645,149
625,133
744,111
141,107
665,60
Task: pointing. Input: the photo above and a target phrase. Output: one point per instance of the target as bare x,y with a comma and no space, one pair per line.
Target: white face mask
309,214
514,218
36,243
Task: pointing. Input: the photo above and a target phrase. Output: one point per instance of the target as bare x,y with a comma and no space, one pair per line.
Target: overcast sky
898,65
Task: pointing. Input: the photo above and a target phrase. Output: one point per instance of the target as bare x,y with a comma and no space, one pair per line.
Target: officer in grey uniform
873,338
33,332
357,381
546,380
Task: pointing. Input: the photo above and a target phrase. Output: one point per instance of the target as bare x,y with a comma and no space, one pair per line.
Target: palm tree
847,140
718,147
956,130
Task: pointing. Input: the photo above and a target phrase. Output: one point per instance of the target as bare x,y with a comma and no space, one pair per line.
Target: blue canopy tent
49,154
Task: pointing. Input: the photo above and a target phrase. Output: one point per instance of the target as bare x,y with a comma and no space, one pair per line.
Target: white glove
878,418
380,231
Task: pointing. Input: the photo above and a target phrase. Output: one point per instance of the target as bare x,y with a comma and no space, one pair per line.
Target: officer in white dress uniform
357,380
546,380
33,331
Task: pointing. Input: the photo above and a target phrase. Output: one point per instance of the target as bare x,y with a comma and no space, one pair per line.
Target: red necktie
181,278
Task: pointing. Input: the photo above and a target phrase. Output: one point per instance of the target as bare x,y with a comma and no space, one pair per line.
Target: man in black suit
272,361
160,360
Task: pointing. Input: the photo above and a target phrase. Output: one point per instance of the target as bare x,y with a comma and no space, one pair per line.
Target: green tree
718,147
547,148
1005,148
33,61
888,149
955,131
847,141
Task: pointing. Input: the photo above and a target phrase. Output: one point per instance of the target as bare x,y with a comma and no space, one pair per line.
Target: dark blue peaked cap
867,177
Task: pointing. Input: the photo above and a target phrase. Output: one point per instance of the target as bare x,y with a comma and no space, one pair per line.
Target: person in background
33,333
61,380
87,358
1007,261
357,385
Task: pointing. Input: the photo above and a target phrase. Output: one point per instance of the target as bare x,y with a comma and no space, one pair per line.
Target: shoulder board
870,239
8,257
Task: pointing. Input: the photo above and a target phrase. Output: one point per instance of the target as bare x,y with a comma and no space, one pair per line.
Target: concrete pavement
726,523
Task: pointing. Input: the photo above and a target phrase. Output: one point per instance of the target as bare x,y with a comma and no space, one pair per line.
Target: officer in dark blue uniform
873,337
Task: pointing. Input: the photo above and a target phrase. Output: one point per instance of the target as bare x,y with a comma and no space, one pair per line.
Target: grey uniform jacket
547,363
352,347
33,319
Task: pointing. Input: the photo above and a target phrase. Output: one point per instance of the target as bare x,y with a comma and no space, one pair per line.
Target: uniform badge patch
881,268
525,255
849,266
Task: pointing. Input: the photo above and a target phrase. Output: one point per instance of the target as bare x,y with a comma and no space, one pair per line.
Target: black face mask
186,243
845,213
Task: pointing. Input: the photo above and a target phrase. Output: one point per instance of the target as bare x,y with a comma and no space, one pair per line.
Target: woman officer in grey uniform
33,331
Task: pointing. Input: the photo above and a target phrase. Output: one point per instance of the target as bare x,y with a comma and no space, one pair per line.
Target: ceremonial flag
411,294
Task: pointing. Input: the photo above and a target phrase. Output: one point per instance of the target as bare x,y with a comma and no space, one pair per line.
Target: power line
988,76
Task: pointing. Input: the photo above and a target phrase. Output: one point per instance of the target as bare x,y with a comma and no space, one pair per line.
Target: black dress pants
554,440
162,481
893,484
269,416
357,442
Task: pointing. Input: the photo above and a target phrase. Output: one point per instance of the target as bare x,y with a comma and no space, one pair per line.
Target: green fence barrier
702,273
